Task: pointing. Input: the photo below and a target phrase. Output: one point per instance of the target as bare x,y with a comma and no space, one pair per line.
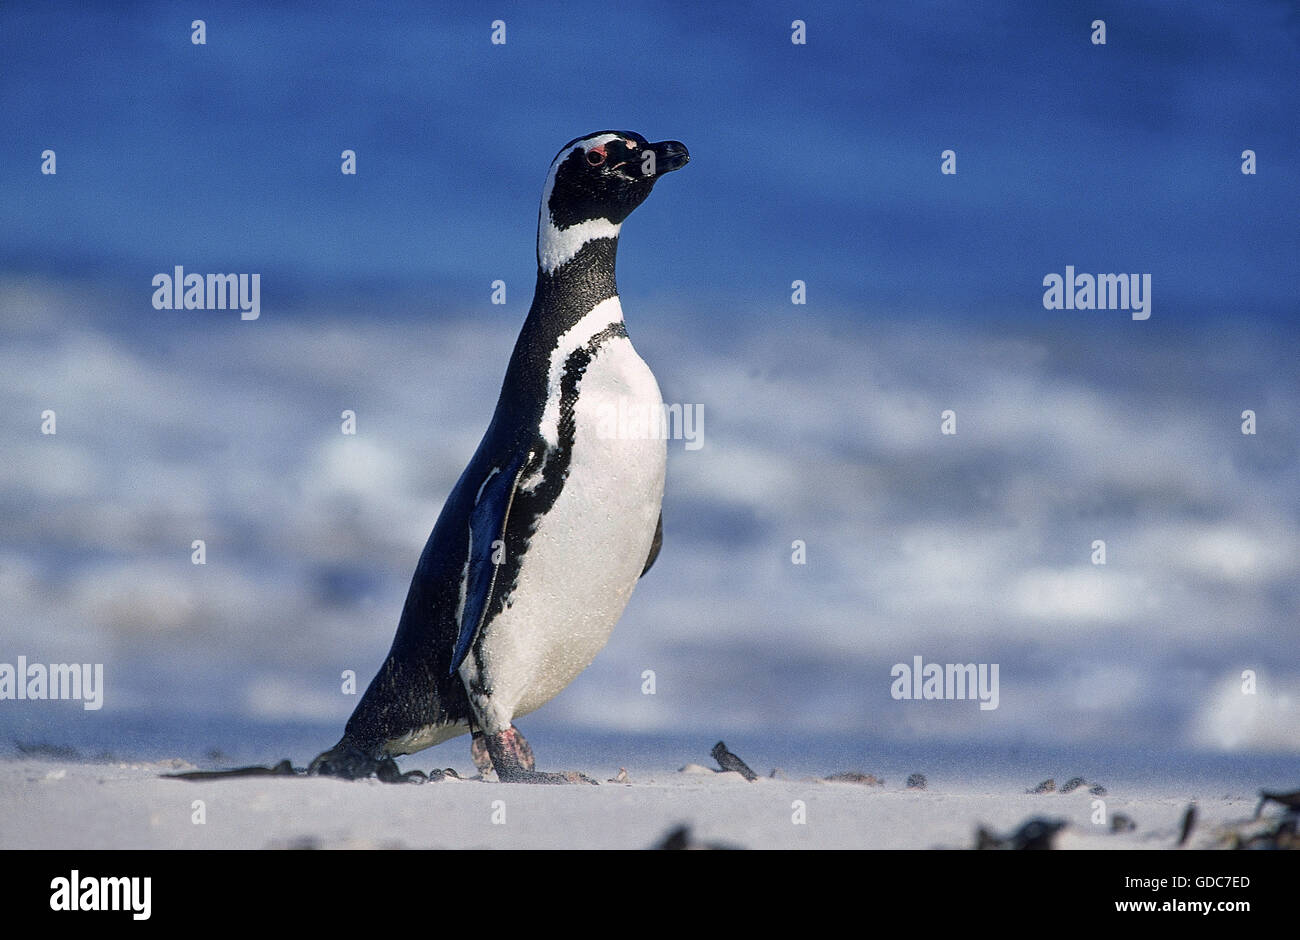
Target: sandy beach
64,804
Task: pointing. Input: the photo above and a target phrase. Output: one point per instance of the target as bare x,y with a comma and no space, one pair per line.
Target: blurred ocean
969,548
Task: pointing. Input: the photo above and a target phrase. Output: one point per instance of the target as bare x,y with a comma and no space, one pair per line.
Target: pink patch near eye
596,155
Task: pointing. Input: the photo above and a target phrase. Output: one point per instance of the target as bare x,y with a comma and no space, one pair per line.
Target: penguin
541,542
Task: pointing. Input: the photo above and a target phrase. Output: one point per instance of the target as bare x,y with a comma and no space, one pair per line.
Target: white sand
77,805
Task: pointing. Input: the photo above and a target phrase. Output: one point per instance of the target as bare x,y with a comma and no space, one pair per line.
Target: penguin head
606,175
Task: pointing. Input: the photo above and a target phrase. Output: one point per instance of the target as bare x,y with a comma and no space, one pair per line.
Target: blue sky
817,162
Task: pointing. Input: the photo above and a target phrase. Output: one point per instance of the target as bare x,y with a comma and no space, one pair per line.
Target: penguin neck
566,296
566,293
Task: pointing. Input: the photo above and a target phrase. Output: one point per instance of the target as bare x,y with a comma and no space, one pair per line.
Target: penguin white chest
588,551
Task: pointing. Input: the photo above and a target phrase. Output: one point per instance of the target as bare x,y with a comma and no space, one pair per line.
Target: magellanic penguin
549,528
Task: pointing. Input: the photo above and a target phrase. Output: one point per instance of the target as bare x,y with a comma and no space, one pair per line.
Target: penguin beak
669,155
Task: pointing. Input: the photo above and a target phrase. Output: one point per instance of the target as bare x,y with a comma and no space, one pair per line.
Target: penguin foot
512,759
348,761
343,760
478,752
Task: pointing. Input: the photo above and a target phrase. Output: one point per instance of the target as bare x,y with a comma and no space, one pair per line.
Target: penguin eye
596,156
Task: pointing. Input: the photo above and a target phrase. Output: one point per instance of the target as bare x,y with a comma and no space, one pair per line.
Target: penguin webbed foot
349,762
343,760
478,752
512,758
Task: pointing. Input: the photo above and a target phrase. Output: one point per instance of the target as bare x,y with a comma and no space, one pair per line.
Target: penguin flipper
487,524
655,545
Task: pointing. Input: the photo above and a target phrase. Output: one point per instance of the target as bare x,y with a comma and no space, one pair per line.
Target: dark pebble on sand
916,782
1188,823
1047,786
1036,833
679,839
676,840
1072,784
729,761
1121,823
